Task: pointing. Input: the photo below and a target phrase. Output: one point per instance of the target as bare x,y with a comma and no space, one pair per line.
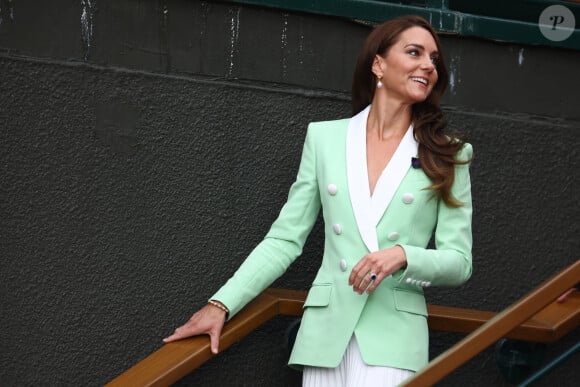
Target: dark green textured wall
141,162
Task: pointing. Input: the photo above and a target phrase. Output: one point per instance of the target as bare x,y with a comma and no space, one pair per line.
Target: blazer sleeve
285,240
450,263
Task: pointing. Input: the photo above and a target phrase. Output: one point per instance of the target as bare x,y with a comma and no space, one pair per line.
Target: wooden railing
535,318
563,316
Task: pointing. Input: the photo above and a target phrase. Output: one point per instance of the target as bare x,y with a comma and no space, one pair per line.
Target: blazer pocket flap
410,302
319,295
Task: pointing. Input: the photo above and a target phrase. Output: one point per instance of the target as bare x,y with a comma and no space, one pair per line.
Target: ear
379,66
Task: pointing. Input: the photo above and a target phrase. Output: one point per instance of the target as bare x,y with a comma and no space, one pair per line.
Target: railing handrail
175,360
501,325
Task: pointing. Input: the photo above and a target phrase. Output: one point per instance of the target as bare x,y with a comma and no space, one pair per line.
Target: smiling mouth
422,81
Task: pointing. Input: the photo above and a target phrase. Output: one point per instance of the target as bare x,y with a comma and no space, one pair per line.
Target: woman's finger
360,285
214,339
360,270
563,297
366,281
376,282
355,276
181,333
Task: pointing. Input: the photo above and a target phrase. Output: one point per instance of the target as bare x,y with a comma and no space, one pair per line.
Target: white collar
369,210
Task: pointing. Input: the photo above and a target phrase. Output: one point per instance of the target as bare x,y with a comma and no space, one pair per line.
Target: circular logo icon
557,23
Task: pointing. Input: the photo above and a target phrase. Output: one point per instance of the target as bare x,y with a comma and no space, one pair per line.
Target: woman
386,179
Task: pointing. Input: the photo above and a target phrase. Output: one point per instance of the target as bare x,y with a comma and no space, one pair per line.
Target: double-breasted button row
332,190
413,281
337,228
408,198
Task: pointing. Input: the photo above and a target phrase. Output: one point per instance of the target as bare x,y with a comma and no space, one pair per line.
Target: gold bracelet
219,305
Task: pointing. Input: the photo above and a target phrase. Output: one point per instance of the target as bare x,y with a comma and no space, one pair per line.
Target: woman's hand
208,320
377,265
564,296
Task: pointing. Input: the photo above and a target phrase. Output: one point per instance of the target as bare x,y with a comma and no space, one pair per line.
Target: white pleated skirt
353,372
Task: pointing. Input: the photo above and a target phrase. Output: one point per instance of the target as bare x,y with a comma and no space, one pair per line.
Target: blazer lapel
392,176
368,210
358,182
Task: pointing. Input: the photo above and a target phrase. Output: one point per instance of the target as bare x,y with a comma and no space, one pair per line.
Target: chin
419,99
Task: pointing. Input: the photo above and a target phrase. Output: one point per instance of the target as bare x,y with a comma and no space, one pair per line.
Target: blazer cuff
409,274
233,300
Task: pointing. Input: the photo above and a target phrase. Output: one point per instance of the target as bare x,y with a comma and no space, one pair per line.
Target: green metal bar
511,31
442,4
550,366
367,10
439,13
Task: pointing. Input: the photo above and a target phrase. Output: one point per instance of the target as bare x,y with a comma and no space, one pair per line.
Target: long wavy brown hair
437,149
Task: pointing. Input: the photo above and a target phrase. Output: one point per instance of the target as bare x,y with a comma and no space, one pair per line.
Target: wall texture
147,146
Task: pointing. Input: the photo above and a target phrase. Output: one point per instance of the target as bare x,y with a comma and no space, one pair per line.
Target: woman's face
408,70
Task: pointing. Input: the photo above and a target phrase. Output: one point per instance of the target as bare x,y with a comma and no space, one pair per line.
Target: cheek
434,81
435,77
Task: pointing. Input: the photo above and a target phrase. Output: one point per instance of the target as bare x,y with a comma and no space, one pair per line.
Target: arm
280,247
449,264
285,240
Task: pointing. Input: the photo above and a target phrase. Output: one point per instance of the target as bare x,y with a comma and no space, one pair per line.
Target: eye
435,60
413,52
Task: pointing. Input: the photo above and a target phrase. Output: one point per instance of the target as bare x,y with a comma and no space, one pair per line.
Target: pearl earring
379,83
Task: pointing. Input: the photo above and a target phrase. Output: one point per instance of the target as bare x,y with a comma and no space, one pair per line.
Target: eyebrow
421,47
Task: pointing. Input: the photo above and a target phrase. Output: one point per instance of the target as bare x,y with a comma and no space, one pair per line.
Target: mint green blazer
390,324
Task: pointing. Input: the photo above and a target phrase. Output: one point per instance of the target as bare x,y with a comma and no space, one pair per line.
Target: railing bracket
517,359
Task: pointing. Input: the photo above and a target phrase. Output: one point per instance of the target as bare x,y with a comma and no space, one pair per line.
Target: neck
388,120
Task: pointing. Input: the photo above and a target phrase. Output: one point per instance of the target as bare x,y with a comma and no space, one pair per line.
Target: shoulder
327,134
325,126
465,154
325,131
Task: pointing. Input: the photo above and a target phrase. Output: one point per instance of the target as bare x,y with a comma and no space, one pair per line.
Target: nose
428,64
